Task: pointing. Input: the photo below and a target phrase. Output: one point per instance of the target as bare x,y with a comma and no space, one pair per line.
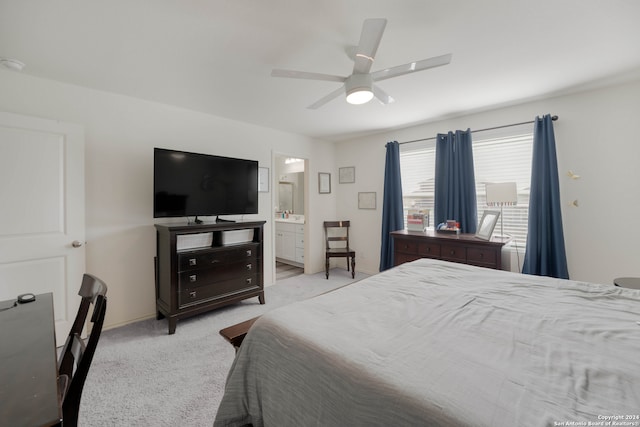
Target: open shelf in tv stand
197,280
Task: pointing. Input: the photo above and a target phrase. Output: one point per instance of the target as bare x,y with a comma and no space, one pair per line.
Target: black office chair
77,355
338,231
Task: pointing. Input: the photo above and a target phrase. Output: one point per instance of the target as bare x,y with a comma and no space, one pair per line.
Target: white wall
120,135
595,137
368,157
320,206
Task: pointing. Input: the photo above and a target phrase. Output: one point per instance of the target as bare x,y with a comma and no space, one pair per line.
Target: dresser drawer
454,253
217,273
195,260
429,250
401,258
482,257
406,246
240,283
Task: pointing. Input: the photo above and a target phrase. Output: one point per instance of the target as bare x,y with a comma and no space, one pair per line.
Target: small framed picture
367,200
347,175
487,224
263,180
324,183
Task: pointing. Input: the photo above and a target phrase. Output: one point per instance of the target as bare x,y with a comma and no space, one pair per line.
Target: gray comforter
441,344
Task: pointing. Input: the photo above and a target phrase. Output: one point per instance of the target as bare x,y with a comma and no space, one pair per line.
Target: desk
28,368
463,248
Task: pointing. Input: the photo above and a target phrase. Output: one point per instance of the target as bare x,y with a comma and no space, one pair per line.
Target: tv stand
193,280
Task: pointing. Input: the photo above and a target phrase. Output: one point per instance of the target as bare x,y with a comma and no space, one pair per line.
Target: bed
442,344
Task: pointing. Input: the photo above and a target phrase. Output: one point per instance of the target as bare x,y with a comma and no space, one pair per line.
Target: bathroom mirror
285,196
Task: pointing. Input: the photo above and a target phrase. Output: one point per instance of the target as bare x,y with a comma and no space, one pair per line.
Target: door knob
76,243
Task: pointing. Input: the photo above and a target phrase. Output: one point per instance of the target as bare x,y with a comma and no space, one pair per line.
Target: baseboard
117,325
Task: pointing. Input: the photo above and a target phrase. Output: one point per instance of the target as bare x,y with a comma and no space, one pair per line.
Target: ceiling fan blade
382,96
305,75
372,31
411,67
319,103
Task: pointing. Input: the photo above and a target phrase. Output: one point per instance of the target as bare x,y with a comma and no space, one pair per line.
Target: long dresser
200,267
462,248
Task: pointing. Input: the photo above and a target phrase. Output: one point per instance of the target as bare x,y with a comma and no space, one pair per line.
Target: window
417,169
497,158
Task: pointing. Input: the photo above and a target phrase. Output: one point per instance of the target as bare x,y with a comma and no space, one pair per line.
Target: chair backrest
77,355
337,231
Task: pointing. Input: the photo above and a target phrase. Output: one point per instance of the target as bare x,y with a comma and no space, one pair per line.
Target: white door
42,212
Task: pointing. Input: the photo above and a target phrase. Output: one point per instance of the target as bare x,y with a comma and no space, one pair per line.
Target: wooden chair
77,355
338,231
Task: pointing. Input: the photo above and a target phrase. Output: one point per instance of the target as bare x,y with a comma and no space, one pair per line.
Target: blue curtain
455,184
392,212
545,254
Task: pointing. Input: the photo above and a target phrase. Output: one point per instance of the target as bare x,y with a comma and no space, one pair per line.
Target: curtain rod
554,118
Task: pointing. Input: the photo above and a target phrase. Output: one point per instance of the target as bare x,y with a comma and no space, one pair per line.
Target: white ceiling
216,56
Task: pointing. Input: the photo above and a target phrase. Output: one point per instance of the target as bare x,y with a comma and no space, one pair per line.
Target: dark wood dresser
463,248
223,271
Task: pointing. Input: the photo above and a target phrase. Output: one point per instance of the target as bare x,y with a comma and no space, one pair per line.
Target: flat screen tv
191,184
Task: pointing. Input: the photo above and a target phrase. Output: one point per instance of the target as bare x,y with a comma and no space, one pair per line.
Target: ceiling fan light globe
359,88
359,96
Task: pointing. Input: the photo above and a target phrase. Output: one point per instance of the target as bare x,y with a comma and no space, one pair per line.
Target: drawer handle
428,249
248,280
192,294
248,252
453,252
481,255
192,261
193,278
249,267
213,261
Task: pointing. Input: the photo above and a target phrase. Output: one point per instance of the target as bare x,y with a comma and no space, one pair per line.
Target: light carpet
141,376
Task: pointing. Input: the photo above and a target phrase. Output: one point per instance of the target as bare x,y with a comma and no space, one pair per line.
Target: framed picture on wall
367,200
324,183
347,175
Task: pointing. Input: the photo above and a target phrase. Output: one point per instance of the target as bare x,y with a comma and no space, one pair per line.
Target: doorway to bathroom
289,215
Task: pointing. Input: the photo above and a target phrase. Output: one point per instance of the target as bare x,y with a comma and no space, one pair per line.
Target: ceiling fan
359,86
